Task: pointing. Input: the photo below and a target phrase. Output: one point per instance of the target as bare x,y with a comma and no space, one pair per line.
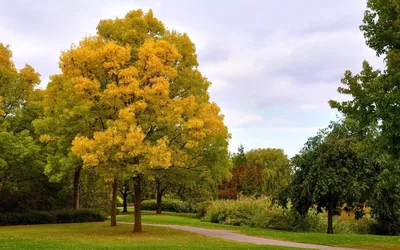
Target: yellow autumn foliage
130,99
147,128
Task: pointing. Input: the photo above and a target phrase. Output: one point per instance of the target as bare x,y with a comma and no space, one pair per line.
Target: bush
170,205
61,216
385,228
202,208
32,217
247,212
79,215
262,213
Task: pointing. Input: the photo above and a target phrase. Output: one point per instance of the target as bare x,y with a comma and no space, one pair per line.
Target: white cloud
235,66
251,119
289,70
276,121
241,120
309,107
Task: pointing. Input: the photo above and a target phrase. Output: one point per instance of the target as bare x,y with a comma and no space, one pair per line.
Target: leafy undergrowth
263,213
343,240
102,236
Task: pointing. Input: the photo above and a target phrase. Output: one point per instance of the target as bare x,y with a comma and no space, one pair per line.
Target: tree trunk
158,205
114,204
330,217
159,196
138,203
77,175
125,196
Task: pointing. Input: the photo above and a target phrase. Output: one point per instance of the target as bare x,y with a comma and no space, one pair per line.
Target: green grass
102,236
343,240
130,210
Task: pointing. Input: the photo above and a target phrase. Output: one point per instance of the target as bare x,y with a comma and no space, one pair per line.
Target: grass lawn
344,240
100,235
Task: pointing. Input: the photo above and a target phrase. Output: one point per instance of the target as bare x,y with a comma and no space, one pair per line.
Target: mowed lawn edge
99,235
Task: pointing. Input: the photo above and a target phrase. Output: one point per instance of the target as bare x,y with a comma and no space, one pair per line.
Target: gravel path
228,235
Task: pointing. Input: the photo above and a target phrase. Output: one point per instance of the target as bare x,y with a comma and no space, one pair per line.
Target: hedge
61,216
170,205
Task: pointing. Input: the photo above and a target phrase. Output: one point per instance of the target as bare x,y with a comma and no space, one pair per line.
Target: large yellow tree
67,115
151,130
131,100
187,82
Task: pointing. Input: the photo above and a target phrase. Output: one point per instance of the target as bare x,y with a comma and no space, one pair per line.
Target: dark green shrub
32,217
386,228
39,217
170,205
79,215
62,216
129,199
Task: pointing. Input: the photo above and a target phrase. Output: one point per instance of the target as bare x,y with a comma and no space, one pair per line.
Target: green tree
257,172
270,170
64,117
23,185
327,173
374,107
381,26
239,158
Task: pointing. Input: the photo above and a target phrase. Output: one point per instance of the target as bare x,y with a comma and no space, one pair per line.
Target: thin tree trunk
137,227
159,200
159,196
114,204
125,196
77,175
330,217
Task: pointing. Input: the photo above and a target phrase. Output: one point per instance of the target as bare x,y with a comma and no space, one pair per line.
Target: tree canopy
327,173
381,25
257,172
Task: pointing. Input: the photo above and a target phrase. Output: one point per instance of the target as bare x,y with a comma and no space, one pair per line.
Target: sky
274,65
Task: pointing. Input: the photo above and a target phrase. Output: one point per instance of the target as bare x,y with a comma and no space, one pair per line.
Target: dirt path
228,235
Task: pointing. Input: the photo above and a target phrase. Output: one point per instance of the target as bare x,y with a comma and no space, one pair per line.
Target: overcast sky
274,64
